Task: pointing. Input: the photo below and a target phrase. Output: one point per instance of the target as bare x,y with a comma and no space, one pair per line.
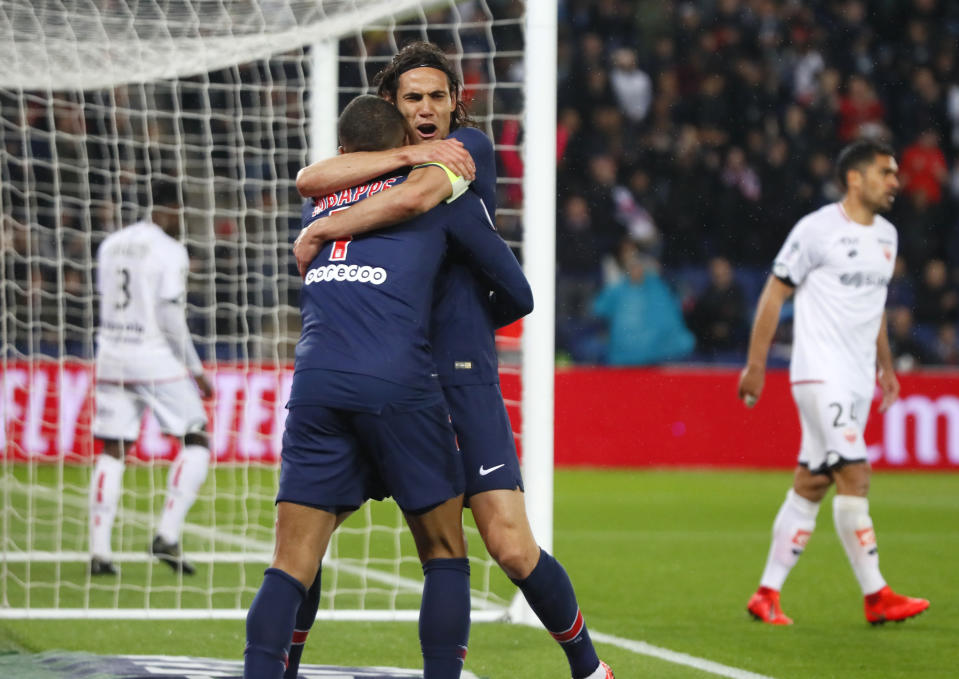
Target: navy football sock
445,617
305,616
269,625
550,594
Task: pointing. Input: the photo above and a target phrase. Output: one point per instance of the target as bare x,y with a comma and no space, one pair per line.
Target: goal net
229,99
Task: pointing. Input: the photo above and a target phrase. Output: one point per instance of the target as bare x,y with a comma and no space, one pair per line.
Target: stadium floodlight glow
230,99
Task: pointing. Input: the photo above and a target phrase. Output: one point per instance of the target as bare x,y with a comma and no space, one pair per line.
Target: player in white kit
838,260
146,359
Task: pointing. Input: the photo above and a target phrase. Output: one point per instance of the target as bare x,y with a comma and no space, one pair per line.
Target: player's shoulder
818,223
472,134
886,228
825,217
475,140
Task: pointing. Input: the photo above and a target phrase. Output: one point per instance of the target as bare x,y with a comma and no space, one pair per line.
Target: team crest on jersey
338,253
887,251
850,435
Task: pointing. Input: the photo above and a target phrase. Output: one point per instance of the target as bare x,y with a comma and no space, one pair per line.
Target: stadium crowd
691,136
695,134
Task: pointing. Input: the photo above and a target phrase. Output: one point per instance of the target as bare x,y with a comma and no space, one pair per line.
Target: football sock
550,594
305,616
183,483
854,528
269,625
104,499
792,528
445,617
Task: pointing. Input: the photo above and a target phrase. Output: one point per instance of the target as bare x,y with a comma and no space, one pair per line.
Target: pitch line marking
643,648
253,547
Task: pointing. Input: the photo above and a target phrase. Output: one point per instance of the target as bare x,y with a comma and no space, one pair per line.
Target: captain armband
458,183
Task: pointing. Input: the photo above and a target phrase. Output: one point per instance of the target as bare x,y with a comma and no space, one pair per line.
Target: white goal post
229,98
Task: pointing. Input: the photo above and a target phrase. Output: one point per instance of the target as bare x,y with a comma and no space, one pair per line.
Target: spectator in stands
578,252
631,85
907,350
861,112
902,289
946,347
645,322
719,317
922,106
923,167
937,300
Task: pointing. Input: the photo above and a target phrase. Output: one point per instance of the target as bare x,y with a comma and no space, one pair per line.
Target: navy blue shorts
339,457
485,437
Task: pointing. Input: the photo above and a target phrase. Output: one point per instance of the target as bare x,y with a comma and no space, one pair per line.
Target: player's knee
197,438
115,448
514,551
300,567
853,480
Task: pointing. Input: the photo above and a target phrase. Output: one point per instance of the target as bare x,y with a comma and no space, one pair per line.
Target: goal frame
538,245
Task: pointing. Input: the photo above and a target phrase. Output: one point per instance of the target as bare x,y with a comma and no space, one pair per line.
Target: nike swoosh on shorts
483,471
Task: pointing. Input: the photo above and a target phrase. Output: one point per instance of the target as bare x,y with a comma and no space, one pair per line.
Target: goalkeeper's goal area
229,99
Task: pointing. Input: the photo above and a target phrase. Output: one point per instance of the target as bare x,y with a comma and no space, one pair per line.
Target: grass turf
667,557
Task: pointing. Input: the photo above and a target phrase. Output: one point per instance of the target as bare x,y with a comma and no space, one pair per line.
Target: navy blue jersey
484,158
464,319
366,302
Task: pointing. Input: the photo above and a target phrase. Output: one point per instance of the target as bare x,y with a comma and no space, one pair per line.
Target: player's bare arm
885,372
349,169
753,376
423,189
203,384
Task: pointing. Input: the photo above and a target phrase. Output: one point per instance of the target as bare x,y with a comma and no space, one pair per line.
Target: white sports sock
792,529
183,483
854,527
104,499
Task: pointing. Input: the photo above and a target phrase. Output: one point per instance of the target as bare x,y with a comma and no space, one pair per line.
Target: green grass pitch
665,557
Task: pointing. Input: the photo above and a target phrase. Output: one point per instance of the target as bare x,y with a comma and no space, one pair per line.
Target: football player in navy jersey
423,85
367,414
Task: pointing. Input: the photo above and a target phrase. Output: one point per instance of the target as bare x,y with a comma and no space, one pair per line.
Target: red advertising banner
604,417
691,417
46,410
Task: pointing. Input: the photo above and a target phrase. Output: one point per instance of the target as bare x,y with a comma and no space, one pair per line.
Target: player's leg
494,488
302,535
501,519
306,615
855,530
320,464
415,450
180,412
445,607
793,526
796,519
116,424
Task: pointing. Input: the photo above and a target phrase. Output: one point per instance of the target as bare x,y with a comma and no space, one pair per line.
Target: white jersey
139,268
841,270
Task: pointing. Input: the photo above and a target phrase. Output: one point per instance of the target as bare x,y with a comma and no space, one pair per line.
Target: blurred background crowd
691,137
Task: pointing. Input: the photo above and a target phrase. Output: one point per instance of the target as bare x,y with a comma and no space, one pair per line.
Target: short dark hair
369,123
857,155
422,54
165,193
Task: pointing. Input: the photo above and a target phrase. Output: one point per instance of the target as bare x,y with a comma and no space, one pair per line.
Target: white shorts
176,405
833,420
